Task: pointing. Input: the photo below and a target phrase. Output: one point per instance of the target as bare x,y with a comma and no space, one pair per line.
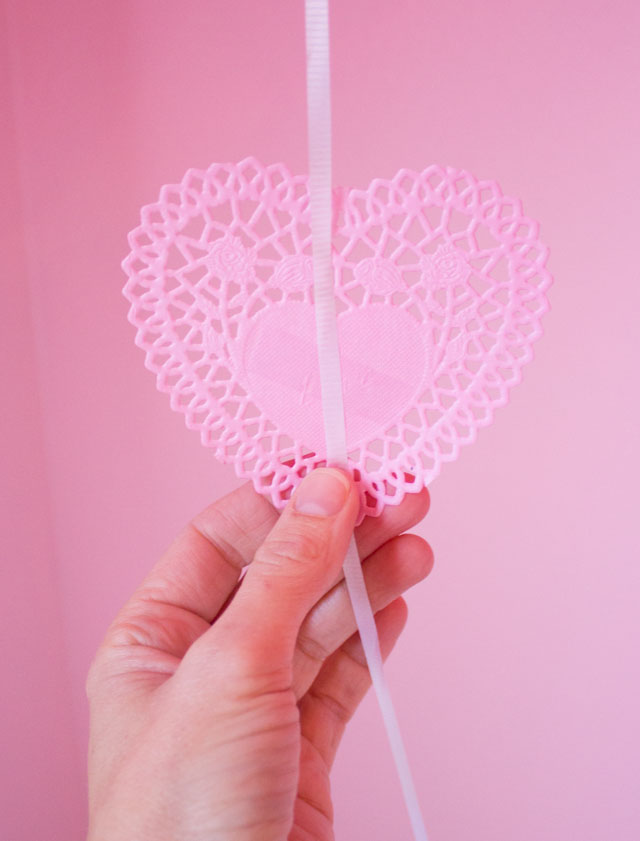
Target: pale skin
217,708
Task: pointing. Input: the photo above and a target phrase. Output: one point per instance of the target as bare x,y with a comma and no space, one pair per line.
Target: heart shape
440,284
279,364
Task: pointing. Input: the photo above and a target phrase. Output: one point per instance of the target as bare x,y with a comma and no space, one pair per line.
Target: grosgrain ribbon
319,132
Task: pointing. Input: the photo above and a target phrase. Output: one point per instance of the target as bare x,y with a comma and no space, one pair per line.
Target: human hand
217,706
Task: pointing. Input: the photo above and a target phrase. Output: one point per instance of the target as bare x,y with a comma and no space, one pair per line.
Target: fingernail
322,493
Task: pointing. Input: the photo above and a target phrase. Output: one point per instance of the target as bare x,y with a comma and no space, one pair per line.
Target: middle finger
388,572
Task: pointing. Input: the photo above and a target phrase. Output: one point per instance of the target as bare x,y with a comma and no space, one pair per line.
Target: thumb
295,566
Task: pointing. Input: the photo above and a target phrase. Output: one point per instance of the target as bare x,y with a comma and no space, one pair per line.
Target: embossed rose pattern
447,265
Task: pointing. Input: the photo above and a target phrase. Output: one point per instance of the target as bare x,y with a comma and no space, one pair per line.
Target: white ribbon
319,129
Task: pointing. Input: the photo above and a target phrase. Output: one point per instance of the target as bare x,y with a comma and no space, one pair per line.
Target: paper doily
439,282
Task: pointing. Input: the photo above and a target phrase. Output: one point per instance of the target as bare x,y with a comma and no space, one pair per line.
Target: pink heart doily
440,285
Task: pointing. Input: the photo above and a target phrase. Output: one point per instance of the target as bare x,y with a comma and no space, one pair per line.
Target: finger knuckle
249,678
311,647
297,546
339,708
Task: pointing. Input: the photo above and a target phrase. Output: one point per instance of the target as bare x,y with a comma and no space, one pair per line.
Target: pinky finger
343,682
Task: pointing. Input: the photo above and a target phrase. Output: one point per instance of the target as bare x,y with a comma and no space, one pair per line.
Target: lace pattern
440,285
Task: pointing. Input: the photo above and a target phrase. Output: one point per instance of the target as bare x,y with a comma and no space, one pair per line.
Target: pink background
516,681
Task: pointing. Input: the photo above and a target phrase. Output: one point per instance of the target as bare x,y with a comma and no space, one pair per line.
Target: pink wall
516,680
40,761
